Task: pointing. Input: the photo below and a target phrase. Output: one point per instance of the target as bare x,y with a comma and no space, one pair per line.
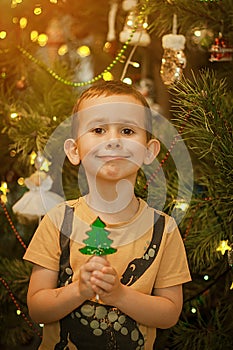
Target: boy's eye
98,131
127,131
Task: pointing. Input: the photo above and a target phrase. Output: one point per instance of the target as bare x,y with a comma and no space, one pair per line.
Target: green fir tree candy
98,242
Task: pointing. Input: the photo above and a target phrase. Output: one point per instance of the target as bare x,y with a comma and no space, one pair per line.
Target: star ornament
223,247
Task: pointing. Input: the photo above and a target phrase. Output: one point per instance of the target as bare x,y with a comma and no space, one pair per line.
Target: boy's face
112,140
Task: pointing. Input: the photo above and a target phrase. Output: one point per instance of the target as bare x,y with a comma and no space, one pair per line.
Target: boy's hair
114,87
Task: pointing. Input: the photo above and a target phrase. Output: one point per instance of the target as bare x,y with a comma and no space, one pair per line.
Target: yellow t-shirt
93,322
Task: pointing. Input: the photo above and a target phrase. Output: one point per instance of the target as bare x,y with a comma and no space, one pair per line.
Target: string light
37,11
34,35
42,39
3,34
4,190
193,310
20,181
32,157
23,22
83,51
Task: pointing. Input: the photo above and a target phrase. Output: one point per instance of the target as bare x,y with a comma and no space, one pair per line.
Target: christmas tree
97,242
179,54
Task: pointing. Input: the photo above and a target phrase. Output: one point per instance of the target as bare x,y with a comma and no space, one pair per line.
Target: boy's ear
71,150
153,148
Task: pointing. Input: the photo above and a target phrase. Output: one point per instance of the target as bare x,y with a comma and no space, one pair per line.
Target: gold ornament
173,60
223,247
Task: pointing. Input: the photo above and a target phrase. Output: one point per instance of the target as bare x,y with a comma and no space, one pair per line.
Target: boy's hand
95,263
105,282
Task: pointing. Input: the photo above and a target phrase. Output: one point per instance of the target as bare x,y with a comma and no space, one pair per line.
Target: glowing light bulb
23,22
63,49
37,11
3,34
127,81
42,39
20,181
33,156
34,35
14,115
107,76
83,51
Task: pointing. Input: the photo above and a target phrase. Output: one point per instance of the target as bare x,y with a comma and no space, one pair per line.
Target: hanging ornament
173,60
36,202
128,5
220,51
135,23
111,44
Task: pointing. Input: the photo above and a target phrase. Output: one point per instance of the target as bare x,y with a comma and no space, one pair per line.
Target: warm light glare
23,22
2,34
37,11
53,1
13,153
3,191
107,76
34,35
21,181
33,156
127,81
83,51
197,33
193,310
14,3
63,49
135,64
4,188
130,22
42,39
14,115
15,20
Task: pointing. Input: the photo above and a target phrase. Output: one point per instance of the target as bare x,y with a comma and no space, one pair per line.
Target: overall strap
138,266
66,273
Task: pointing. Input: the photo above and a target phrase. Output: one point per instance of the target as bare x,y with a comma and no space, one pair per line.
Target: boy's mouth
109,157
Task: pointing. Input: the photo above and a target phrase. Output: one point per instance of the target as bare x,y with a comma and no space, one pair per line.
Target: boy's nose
113,144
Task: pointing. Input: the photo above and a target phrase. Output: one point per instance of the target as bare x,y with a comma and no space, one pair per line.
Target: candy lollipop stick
98,242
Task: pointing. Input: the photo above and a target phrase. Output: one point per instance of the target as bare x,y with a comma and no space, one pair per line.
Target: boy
115,301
